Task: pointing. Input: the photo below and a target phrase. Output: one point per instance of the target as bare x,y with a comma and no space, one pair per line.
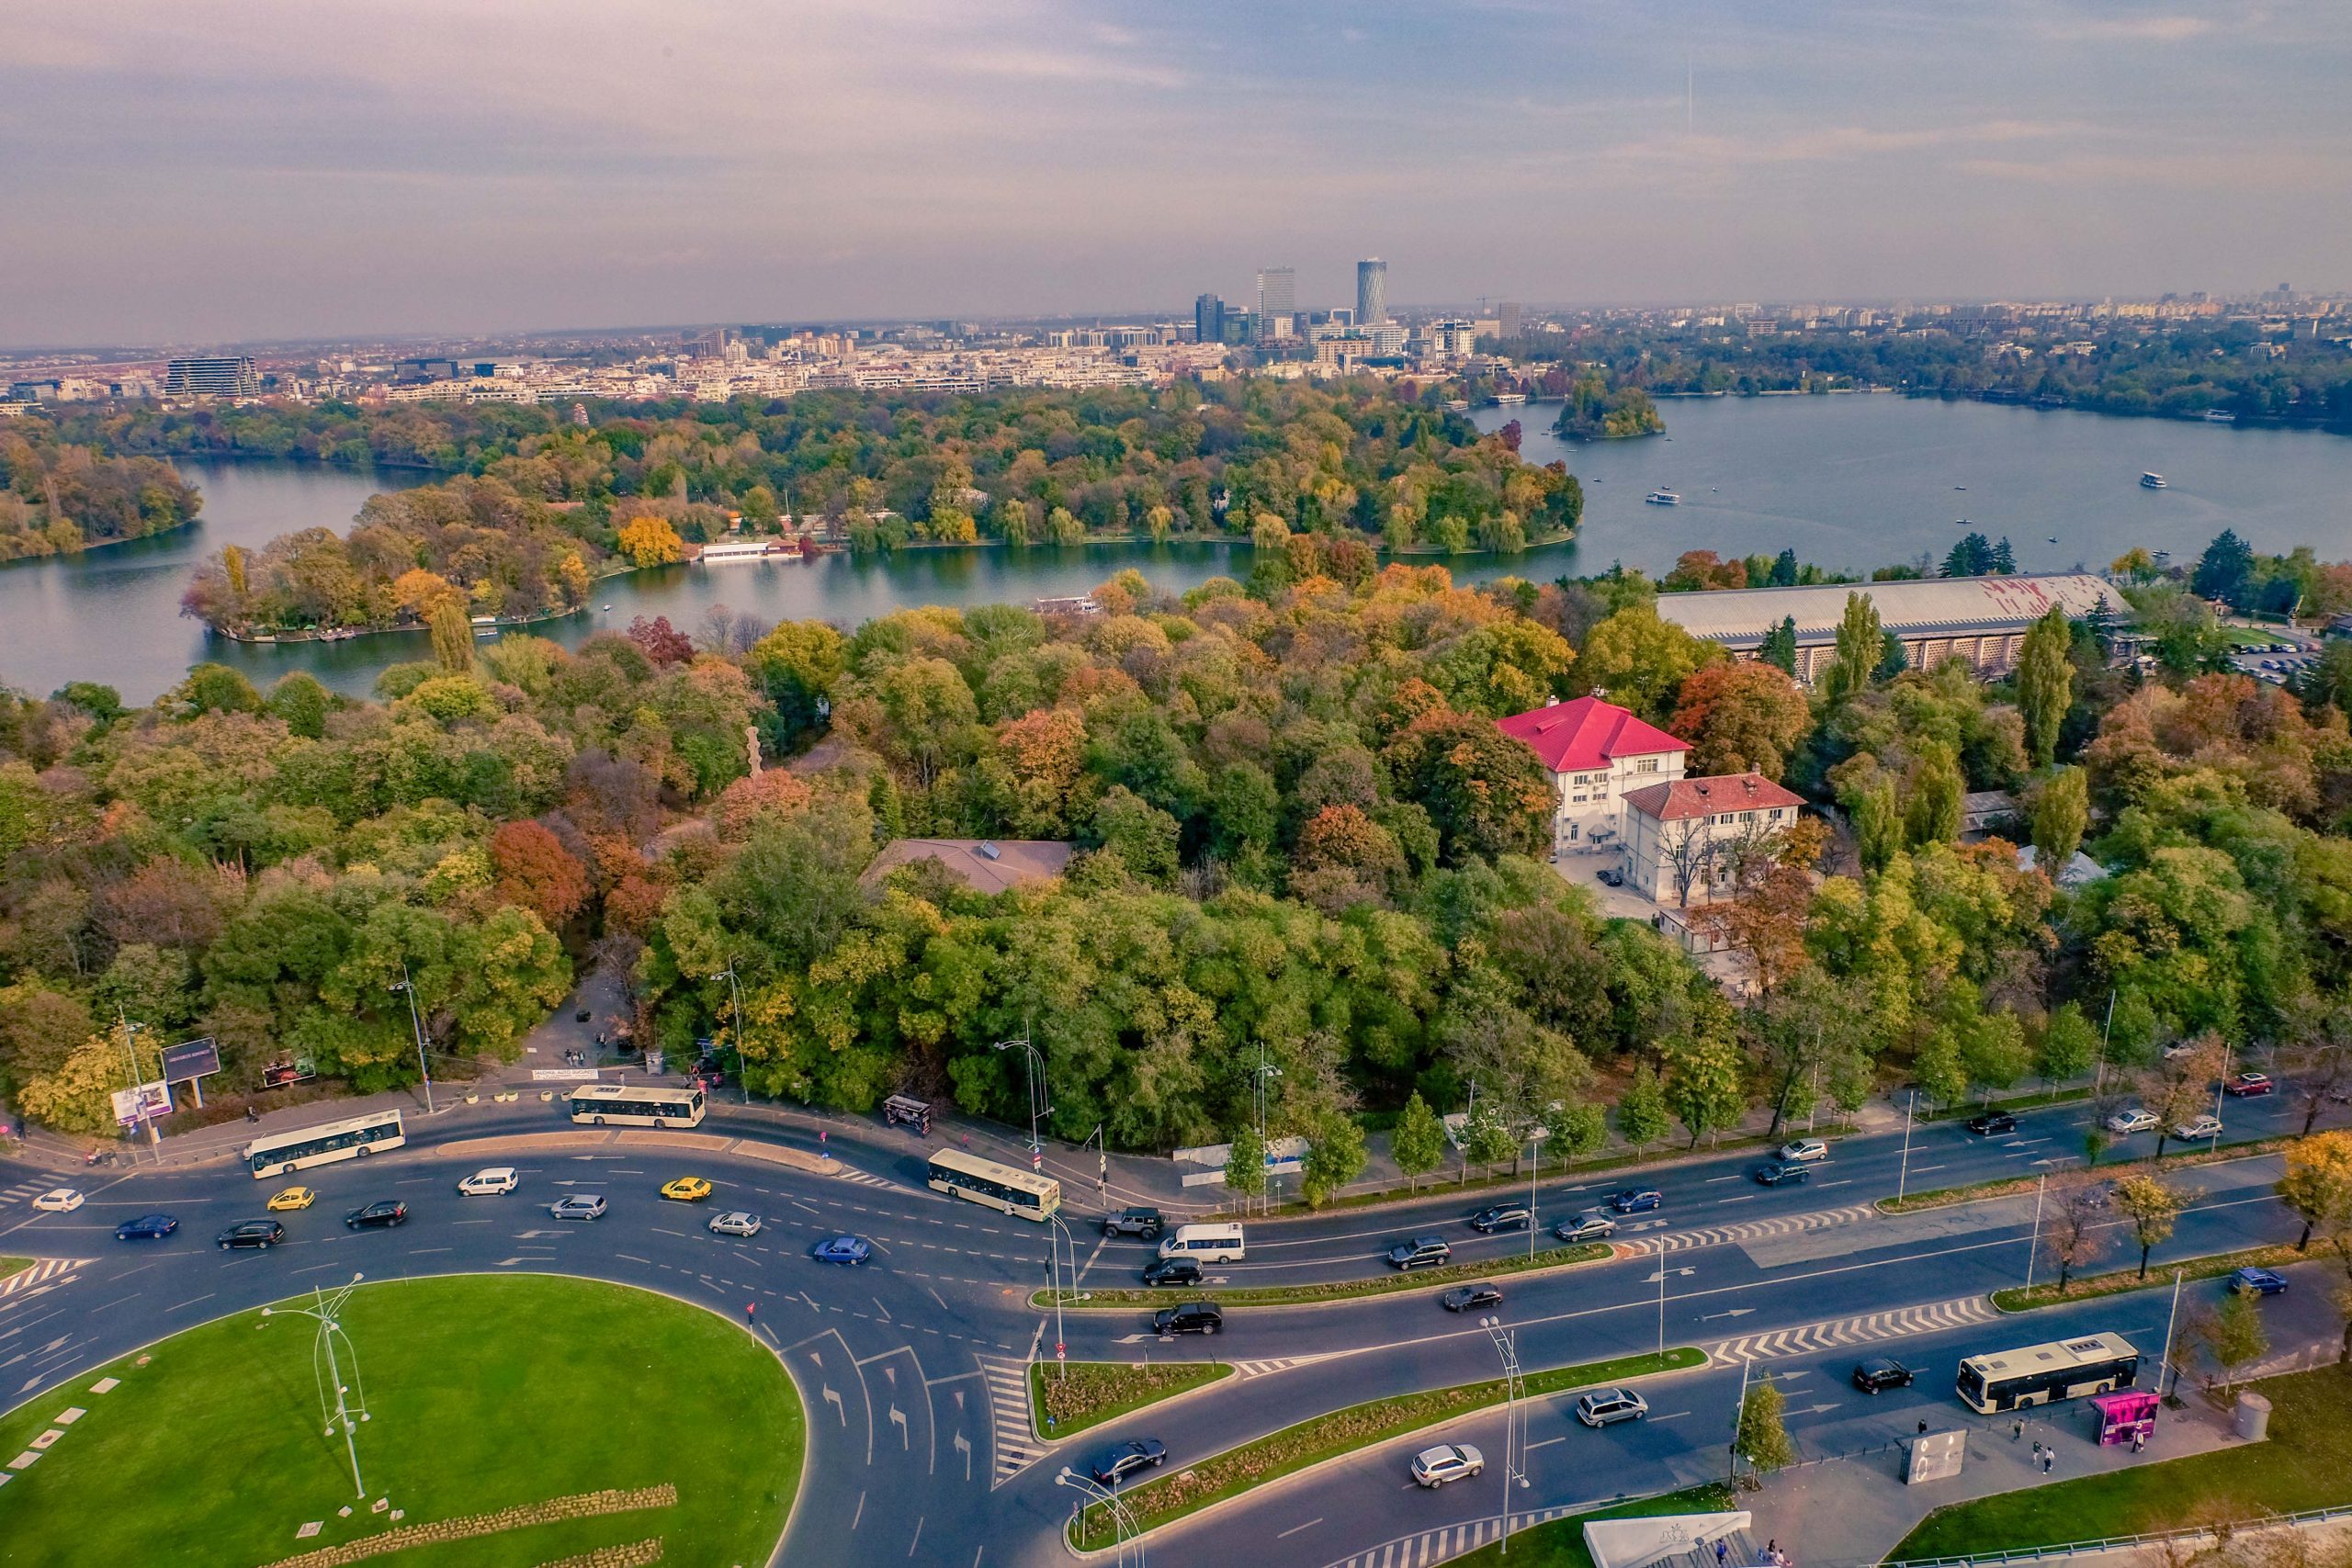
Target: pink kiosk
2127,1417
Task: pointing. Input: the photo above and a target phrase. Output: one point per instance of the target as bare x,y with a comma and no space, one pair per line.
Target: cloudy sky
187,171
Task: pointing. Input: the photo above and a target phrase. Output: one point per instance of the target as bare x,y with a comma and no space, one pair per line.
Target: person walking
2018,1430
751,1311
2049,1461
1722,1553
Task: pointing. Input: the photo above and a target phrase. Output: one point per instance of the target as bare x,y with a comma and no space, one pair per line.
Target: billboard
144,1103
192,1060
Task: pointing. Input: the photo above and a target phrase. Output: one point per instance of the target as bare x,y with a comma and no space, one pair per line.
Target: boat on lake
1510,400
1662,497
2220,416
2153,481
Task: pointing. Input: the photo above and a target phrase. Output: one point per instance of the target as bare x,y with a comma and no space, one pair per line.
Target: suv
1420,1250
1506,1216
380,1215
1464,1298
2206,1126
1171,1272
1882,1372
2246,1083
1992,1122
1447,1461
1606,1406
1192,1317
1145,1223
578,1206
253,1233
1782,1173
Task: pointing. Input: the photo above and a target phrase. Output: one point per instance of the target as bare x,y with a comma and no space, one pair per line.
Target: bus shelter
2127,1417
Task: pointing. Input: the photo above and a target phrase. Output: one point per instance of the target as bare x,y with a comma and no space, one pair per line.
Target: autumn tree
1763,1439
2058,812
534,872
650,540
2073,1226
453,635
1642,660
1739,717
1485,792
2318,1186
2179,1088
662,642
2152,1207
2232,1332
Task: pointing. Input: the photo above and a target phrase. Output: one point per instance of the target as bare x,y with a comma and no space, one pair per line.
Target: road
910,1367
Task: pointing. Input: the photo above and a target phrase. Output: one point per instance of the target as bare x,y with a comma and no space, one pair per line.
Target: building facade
1683,838
1208,319
1277,300
1596,754
227,375
1372,292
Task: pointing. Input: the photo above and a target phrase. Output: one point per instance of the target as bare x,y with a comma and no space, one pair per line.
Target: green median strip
2090,1287
1338,1289
1080,1395
1171,1498
2015,1186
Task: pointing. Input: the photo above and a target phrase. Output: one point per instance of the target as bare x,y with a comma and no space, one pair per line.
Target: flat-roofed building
223,376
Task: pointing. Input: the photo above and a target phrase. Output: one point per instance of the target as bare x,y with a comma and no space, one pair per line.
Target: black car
1192,1317
1120,1460
1171,1272
1882,1372
1781,1173
146,1227
384,1212
253,1233
1992,1122
1467,1298
1420,1250
1145,1223
1506,1216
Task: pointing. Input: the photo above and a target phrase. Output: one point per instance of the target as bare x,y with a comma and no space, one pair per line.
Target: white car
2198,1127
2179,1048
578,1206
2131,1118
490,1183
1804,1149
58,1201
1447,1461
735,1222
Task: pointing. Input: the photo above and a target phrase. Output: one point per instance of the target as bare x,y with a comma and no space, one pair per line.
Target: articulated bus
636,1105
2042,1374
325,1143
998,1186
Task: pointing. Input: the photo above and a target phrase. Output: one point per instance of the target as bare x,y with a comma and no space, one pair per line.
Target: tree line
59,497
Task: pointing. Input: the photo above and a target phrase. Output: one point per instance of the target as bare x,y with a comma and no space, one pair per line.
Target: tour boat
1510,400
2220,416
2153,481
1663,498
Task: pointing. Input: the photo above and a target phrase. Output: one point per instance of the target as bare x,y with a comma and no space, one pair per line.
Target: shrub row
633,1554
1087,1393
585,1506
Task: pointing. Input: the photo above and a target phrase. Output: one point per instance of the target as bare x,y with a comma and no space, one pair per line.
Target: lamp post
1053,1265
1902,1175
2033,1248
1125,1532
416,1023
343,1406
1265,1070
1534,1163
1505,1342
2164,1367
1037,1106
154,1139
735,988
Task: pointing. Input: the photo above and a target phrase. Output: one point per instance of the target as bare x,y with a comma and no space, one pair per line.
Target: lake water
1848,481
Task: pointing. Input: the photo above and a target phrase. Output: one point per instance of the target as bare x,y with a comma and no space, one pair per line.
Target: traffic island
1066,1398
2021,1186
1341,1433
2085,1287
1392,1283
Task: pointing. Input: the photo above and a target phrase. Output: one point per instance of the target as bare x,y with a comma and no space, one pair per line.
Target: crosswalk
1816,1338
45,1273
1449,1541
1755,1230
1278,1364
1013,1445
857,1178
30,1188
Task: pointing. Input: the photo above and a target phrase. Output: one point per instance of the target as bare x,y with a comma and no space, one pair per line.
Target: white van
1205,1243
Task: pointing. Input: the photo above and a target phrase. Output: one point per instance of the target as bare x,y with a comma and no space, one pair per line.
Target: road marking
1816,1338
192,1301
1760,1230
1295,1529
1546,1443
40,1274
1013,1446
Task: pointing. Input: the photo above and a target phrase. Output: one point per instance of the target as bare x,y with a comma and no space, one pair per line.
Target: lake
1848,481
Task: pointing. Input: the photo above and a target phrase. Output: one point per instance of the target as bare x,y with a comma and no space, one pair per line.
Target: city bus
636,1105
999,1185
2042,1374
325,1144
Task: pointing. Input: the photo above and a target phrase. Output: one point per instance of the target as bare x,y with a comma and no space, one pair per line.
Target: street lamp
416,1022
154,1139
343,1406
1037,1106
1903,1176
742,1085
2033,1248
1124,1531
1265,1070
1505,1342
1053,1266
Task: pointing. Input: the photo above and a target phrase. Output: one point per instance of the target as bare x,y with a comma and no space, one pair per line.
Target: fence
2117,1543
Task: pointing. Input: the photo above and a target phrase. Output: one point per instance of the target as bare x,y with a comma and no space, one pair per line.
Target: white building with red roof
1683,839
1595,752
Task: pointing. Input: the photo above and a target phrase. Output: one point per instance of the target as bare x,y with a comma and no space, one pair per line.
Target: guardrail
2115,1543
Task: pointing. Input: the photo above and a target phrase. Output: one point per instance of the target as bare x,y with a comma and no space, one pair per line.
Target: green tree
1705,1084
1642,1115
2151,1207
1641,660
1780,646
1245,1164
1861,640
1418,1140
2045,681
453,635
1335,1157
2069,1046
2058,812
1933,811
2233,1336
1763,1438
798,664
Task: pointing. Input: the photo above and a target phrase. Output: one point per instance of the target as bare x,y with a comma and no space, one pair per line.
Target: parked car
578,1206
58,1201
146,1227
1783,1173
1467,1298
291,1199
735,1222
1591,1227
493,1182
1637,1199
2247,1085
1880,1373
2180,1048
1120,1460
1447,1461
1612,877
1192,1317
1420,1252
1804,1149
252,1233
1504,1216
849,1249
1171,1272
2133,1118
1992,1122
686,1189
382,1214
2259,1282
1607,1407
2198,1127
1145,1223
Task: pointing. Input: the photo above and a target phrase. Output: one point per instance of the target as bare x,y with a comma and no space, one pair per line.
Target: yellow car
293,1197
686,1189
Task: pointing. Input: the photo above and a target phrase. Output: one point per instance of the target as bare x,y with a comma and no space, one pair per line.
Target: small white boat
1663,498
1457,405
2153,481
2220,416
1510,400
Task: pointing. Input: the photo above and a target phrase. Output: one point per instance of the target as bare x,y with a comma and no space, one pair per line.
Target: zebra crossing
1755,1230
1013,1445
41,1275
1279,1364
32,1187
857,1178
1816,1338
1450,1540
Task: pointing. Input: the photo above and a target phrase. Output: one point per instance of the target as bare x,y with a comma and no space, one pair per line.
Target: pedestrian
1923,1427
2140,1441
2037,1449
750,1310
1722,1553
2049,1461
2018,1430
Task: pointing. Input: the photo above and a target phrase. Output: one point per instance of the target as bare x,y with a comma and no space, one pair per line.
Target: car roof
1443,1451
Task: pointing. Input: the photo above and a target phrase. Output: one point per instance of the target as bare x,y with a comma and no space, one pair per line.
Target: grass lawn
2306,1463
13,1265
1547,1257
1087,1393
2085,1287
1560,1544
485,1392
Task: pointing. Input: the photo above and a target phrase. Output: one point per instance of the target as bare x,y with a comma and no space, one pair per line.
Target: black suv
1145,1223
253,1233
1783,1173
1992,1122
1192,1317
381,1212
1882,1372
1171,1272
1504,1216
1420,1250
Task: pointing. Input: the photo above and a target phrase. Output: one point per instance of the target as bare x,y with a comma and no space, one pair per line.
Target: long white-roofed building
1979,620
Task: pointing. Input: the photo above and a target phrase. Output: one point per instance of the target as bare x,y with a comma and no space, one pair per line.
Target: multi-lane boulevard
912,1366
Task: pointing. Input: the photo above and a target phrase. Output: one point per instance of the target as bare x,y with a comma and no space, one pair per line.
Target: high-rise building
1372,292
224,377
1277,299
1507,319
1208,319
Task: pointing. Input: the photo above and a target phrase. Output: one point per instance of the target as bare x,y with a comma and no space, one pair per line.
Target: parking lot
2279,658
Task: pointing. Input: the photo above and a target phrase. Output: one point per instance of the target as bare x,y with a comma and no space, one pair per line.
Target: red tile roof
1587,735
1686,798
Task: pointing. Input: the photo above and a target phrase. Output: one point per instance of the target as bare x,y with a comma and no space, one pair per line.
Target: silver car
1591,1227
1447,1461
578,1206
2131,1120
735,1222
1607,1407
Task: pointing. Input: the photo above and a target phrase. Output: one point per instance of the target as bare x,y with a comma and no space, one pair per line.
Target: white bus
325,1144
998,1186
2042,1374
636,1105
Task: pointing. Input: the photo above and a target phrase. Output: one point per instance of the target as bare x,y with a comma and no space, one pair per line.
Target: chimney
1551,702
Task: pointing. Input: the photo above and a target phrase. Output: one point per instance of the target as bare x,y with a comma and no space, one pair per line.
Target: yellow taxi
293,1197
686,1189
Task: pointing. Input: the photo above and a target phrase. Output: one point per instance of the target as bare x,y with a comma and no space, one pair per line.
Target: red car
2248,1084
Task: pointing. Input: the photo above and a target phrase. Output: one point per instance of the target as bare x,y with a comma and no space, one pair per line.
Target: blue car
146,1227
1633,1200
850,1249
2258,1281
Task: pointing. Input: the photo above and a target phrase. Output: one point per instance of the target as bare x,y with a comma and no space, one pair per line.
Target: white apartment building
1596,753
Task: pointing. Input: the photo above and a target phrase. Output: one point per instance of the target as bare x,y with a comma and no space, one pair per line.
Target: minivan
1205,1243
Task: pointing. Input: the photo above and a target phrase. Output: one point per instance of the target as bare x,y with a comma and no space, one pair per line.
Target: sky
195,172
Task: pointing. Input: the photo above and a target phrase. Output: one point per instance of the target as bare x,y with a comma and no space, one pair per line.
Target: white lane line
1295,1529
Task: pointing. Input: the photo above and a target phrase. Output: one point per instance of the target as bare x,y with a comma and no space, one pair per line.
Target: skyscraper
1277,298
1372,292
220,377
1507,319
1208,319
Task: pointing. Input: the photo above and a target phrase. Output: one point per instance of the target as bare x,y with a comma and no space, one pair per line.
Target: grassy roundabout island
515,1420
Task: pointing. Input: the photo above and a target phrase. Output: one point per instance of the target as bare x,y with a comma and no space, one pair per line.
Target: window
1646,764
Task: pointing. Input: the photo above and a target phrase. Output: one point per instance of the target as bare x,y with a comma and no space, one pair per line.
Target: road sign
1061,1351
191,1060
143,1102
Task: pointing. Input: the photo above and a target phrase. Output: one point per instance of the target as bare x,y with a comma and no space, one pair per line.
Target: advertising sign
192,1060
144,1103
